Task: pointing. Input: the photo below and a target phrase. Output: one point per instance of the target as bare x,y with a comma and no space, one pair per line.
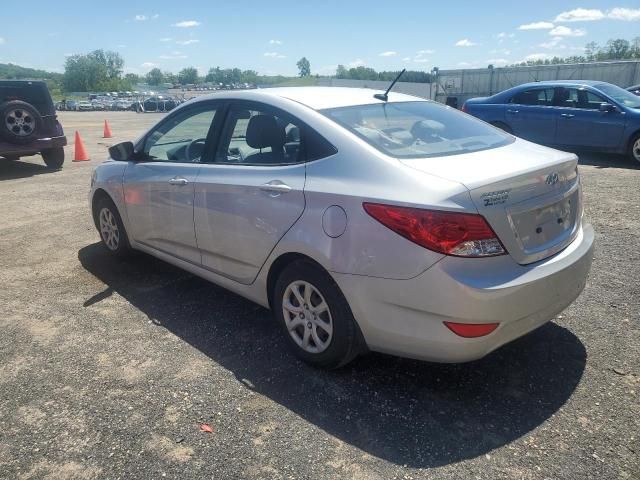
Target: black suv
28,123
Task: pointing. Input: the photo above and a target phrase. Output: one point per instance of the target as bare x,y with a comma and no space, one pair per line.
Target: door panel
241,212
582,124
159,202
530,115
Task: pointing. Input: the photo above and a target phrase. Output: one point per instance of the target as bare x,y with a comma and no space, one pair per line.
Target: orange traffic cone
107,130
80,154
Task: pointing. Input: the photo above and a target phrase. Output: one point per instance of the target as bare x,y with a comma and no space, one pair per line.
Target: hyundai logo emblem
552,179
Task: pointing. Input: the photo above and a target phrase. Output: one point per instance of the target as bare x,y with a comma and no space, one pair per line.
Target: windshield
418,129
620,95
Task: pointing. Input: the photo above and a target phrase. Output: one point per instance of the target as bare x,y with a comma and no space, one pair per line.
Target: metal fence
465,84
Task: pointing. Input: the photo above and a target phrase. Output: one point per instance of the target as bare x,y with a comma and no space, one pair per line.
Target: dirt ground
108,368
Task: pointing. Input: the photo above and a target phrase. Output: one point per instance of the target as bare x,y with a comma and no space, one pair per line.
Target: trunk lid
529,194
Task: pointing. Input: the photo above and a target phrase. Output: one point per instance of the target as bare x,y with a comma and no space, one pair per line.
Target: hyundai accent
386,223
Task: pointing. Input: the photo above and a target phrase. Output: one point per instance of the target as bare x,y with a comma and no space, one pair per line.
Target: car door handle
513,111
276,187
567,115
178,181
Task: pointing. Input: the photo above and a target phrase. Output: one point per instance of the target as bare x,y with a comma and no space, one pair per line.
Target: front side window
417,129
620,95
536,96
182,138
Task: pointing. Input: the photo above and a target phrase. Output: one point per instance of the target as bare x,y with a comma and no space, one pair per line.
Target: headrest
293,135
263,131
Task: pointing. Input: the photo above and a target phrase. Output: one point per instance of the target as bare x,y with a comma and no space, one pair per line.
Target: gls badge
552,178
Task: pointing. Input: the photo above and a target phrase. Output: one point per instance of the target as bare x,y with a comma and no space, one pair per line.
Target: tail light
471,330
464,107
451,233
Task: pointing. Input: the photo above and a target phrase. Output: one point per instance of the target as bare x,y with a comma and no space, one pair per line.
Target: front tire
634,148
53,158
112,233
314,315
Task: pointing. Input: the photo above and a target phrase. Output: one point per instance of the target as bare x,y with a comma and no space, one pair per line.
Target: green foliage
618,49
97,70
367,73
304,67
154,77
188,75
231,75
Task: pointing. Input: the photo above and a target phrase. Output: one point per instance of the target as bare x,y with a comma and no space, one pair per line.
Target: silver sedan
400,225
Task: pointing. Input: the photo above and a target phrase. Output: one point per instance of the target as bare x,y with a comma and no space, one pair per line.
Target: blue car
578,114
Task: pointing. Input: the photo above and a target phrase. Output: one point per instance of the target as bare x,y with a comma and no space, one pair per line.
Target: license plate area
547,226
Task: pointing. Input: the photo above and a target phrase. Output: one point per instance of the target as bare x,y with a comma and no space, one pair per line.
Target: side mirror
607,107
122,152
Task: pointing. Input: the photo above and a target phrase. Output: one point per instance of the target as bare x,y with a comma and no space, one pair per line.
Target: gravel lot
108,368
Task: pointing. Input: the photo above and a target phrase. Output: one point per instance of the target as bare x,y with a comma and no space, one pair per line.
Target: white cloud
581,15
172,57
536,26
406,59
505,35
122,46
465,43
553,43
356,63
166,39
425,52
140,18
148,65
464,64
562,31
388,53
186,24
2,41
187,42
155,16
537,56
500,51
498,61
274,55
275,42
69,55
628,14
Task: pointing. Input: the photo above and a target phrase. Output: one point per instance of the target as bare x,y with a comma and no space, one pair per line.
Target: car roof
575,83
317,98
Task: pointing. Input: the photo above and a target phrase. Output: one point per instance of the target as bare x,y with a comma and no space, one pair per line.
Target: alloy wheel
307,317
20,122
636,149
109,229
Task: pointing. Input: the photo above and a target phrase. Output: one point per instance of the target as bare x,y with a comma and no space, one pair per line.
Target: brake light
451,233
471,330
464,107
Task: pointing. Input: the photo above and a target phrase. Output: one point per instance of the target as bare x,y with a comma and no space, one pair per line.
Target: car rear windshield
620,95
418,129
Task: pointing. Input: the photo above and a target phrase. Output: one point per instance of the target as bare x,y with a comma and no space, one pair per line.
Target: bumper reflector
471,330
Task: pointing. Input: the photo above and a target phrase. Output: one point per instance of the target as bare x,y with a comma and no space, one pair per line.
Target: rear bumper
37,146
405,317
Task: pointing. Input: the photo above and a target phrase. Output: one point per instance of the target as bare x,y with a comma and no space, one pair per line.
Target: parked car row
156,103
568,114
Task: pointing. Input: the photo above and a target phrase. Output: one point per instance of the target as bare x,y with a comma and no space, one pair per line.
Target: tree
97,70
155,76
341,72
188,75
132,78
304,67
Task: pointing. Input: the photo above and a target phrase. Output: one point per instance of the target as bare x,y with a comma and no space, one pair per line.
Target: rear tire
315,316
634,148
20,122
53,157
111,229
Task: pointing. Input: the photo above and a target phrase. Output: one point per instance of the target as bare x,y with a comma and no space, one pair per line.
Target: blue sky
271,36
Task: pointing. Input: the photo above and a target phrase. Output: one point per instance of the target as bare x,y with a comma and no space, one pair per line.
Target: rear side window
315,146
418,129
538,96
